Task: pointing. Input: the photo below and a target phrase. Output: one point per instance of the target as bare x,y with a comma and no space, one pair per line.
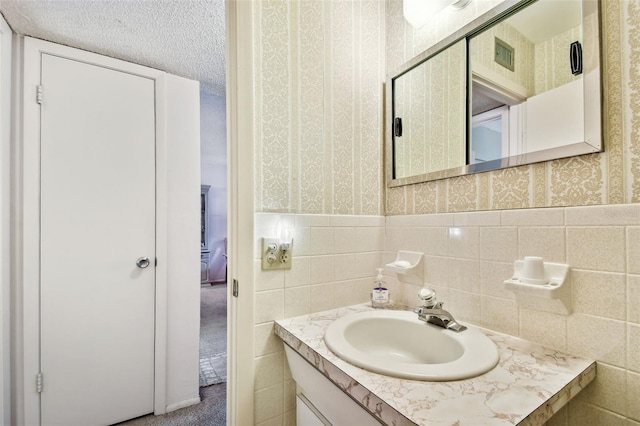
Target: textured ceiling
182,37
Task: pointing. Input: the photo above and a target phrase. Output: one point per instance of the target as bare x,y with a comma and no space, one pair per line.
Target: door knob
143,262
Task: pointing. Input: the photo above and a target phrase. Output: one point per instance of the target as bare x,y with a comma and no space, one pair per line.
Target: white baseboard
183,404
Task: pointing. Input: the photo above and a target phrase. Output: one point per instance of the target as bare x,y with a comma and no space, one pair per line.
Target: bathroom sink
397,343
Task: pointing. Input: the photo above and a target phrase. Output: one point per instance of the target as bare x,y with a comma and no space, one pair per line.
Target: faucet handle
428,296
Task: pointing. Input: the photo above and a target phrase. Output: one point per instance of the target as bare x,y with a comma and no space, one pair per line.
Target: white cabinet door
97,220
307,415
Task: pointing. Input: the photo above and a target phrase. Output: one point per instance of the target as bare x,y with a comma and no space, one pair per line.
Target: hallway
213,334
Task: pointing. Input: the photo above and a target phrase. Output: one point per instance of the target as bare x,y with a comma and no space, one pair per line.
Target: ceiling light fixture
419,12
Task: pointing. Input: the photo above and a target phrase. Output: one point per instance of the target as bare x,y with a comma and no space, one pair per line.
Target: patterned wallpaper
611,177
432,111
319,73
319,98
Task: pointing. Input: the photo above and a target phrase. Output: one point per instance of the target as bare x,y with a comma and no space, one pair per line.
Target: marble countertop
528,386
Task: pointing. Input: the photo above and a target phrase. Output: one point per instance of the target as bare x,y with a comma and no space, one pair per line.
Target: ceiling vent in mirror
505,54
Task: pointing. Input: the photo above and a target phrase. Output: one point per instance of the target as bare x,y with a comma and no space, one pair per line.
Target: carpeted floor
211,411
213,334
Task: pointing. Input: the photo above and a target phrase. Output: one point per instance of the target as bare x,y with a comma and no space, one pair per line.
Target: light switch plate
275,259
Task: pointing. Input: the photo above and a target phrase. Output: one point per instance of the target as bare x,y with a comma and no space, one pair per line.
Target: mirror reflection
527,91
430,105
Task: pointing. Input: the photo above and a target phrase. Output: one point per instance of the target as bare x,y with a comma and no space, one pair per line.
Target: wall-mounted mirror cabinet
518,85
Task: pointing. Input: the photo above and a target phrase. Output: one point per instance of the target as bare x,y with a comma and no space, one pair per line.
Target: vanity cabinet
307,414
346,395
320,402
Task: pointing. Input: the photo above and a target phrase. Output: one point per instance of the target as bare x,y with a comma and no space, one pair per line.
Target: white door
97,220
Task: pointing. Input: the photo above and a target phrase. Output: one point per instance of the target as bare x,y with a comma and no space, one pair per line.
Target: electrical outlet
273,256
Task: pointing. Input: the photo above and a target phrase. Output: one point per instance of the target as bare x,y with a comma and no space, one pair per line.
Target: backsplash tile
436,270
605,390
545,328
498,243
599,293
598,338
297,301
269,403
533,217
336,268
615,214
464,242
269,305
581,413
594,241
633,249
271,280
547,242
499,314
465,276
492,276
300,275
322,297
486,218
633,390
633,348
322,269
269,370
633,298
322,241
265,341
599,248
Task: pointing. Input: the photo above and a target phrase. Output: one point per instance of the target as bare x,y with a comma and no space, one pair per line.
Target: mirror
519,85
431,102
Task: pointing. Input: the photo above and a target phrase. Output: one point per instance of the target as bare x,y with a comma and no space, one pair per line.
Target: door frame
241,212
28,225
6,41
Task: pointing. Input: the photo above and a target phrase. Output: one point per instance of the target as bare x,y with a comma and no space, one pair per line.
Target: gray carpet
212,411
213,334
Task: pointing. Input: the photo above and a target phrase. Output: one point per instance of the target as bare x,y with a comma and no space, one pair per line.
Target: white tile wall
333,265
469,255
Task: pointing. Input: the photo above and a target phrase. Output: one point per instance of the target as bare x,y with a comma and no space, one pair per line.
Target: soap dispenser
380,294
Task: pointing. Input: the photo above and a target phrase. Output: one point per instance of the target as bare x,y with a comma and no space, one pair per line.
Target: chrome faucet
433,313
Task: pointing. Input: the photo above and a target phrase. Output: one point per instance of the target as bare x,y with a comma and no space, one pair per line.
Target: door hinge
39,382
39,94
235,288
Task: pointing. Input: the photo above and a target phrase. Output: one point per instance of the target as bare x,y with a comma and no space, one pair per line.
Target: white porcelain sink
397,343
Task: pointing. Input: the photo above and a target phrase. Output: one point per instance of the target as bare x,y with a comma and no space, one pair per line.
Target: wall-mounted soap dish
409,267
541,285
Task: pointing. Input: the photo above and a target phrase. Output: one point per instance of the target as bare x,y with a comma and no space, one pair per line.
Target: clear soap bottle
380,293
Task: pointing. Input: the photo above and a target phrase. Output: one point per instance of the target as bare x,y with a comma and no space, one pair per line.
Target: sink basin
397,343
